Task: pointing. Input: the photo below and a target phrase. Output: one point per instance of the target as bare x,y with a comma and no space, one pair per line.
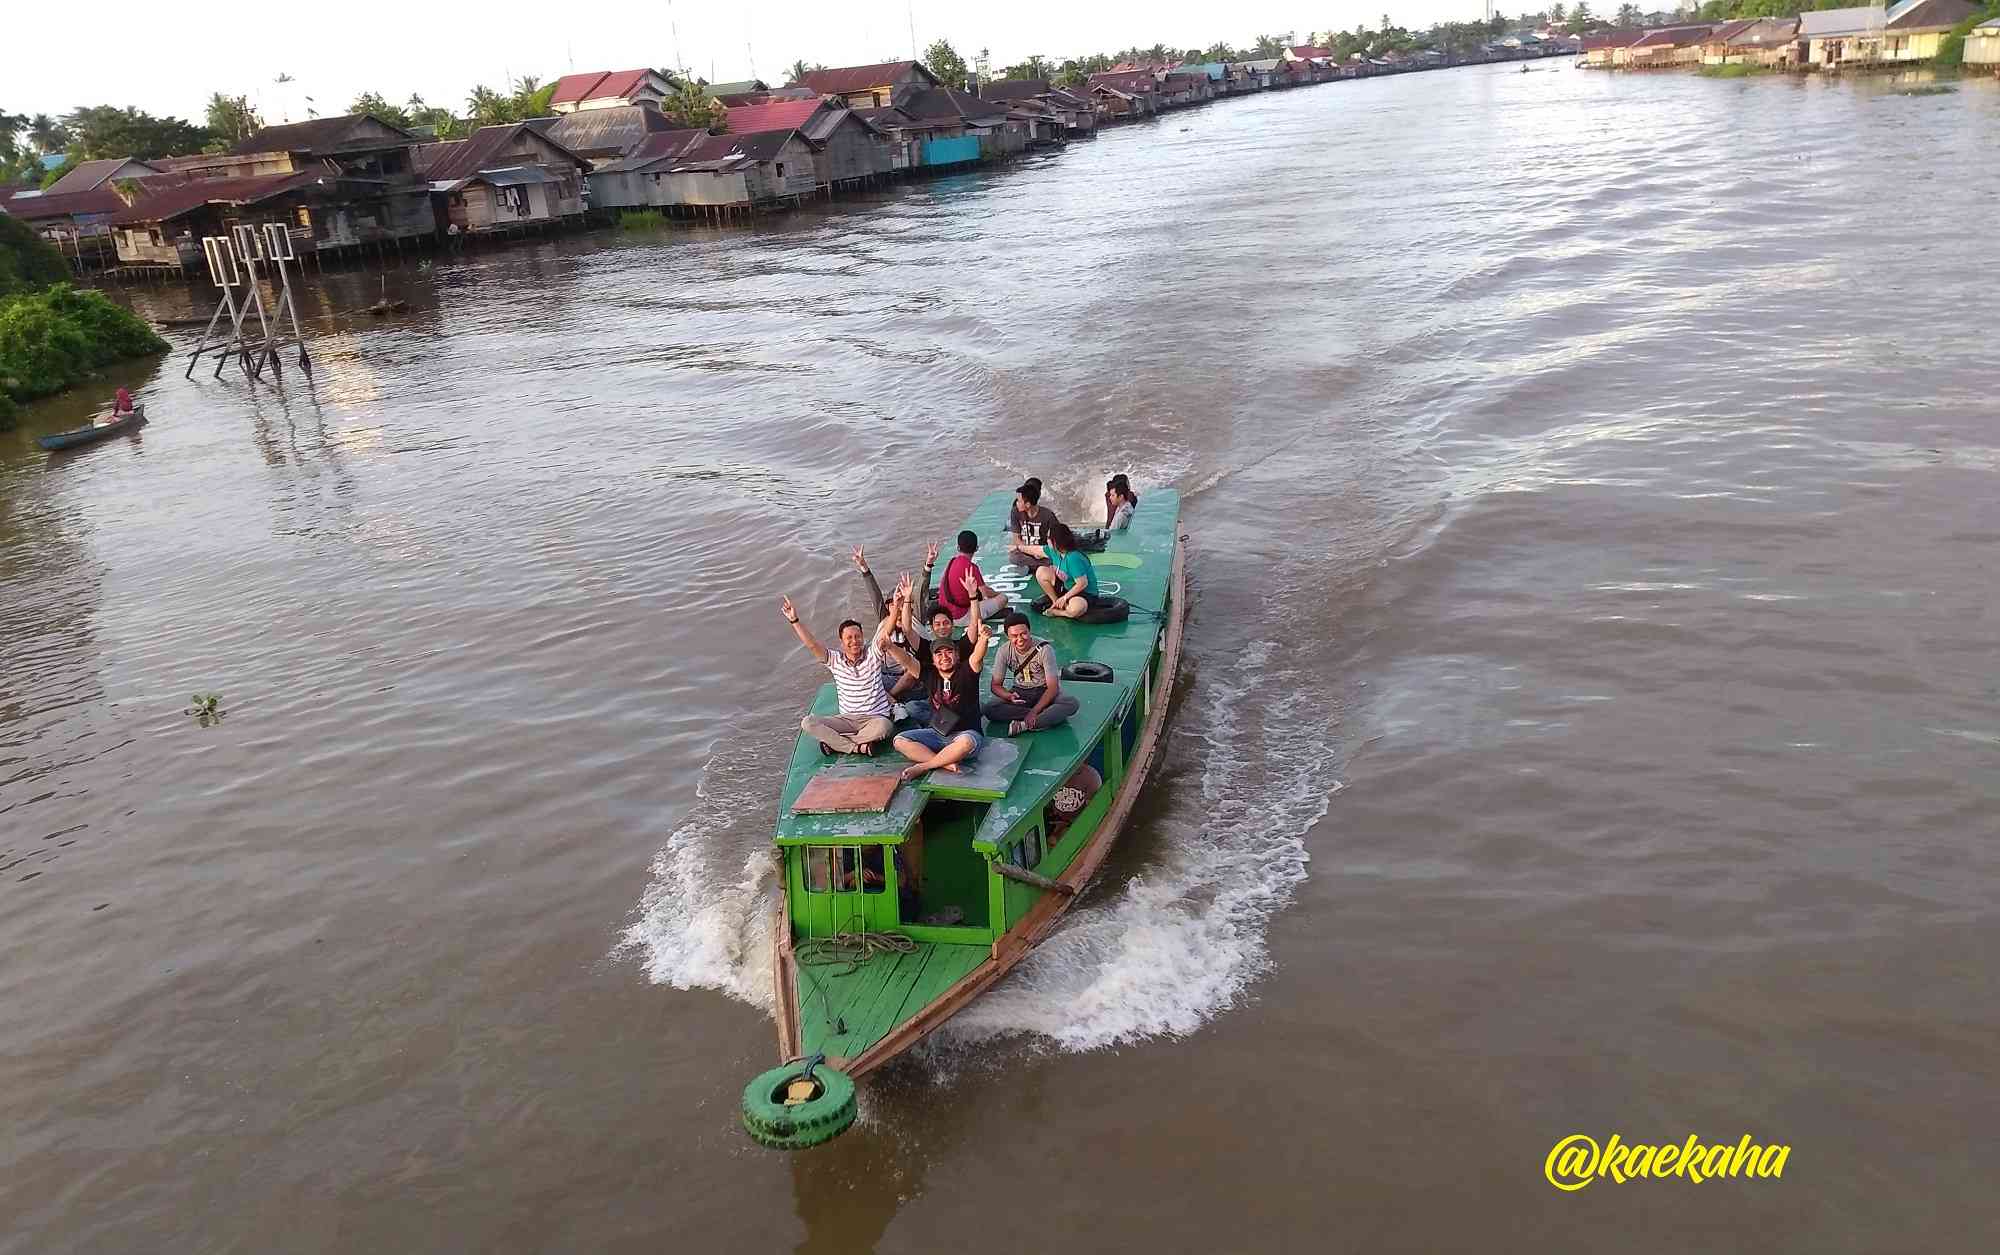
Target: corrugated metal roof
1924,14
1822,23
54,204
859,78
91,174
654,148
571,88
319,135
615,131
743,87
461,158
178,196
1762,32
1672,37
1014,89
785,115
1621,37
945,102
1124,80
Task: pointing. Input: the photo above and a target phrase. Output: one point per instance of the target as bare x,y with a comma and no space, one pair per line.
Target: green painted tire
820,1118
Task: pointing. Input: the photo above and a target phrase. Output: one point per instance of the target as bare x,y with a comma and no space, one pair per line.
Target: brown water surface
1591,722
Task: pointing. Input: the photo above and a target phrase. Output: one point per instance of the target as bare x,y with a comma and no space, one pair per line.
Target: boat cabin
966,868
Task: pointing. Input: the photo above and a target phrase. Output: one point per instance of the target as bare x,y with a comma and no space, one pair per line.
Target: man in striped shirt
865,709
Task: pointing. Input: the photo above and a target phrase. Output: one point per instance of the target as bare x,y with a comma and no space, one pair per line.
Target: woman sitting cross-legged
1069,579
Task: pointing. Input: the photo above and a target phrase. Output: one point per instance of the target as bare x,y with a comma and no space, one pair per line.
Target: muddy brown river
1590,725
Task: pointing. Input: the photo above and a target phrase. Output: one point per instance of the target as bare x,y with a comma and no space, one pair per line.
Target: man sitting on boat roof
892,675
911,689
1028,526
953,688
952,590
1037,700
863,721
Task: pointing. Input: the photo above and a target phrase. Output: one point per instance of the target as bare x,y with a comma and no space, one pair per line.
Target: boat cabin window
833,869
1028,850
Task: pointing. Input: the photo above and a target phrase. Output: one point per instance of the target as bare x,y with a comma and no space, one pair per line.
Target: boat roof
1018,774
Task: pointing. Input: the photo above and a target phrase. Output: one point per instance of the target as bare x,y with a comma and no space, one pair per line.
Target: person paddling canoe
121,409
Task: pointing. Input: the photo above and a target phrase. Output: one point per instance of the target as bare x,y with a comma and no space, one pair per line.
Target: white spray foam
1180,942
1184,939
699,926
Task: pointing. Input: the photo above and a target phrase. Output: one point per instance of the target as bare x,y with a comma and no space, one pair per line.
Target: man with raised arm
892,675
863,721
952,684
1037,700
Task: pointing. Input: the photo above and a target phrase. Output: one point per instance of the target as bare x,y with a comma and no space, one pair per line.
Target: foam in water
1185,938
701,924
1180,942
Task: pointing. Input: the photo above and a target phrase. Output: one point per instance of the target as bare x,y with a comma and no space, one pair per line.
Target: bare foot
912,772
948,767
1015,728
865,748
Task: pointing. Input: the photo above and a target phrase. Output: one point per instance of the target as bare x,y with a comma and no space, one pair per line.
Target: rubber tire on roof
1088,672
820,1119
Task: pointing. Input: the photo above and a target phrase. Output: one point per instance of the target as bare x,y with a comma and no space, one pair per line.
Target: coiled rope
849,950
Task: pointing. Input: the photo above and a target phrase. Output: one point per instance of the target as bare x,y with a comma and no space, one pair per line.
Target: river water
1590,726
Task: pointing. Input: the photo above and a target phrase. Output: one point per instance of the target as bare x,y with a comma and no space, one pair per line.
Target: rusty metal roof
597,85
597,132
785,115
483,149
655,148
321,135
1672,37
172,196
859,78
54,204
1015,89
90,174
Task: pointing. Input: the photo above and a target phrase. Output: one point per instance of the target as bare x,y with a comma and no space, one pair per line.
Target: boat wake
1184,939
1180,942
705,921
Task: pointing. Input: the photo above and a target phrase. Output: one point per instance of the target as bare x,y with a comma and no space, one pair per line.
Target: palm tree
800,68
47,134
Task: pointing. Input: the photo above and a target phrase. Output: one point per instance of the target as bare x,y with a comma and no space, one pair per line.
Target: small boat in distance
90,433
905,900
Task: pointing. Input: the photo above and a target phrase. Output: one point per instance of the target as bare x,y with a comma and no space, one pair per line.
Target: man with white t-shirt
864,720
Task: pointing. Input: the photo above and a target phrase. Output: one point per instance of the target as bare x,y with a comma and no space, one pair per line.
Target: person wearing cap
952,685
1036,700
1028,528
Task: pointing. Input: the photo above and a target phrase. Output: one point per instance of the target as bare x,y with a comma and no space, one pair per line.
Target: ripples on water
1589,721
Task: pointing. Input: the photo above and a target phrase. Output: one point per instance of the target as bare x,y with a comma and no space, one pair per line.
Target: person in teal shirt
1069,579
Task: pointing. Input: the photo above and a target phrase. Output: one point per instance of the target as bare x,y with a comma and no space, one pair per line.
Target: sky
334,52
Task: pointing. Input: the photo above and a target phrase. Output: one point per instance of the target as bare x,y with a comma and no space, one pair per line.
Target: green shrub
59,337
27,261
641,220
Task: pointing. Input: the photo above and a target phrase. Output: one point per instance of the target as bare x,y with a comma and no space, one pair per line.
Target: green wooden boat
860,975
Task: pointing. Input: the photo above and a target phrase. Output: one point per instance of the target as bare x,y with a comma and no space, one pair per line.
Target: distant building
1982,46
878,86
610,89
90,175
502,178
606,134
1670,46
1765,41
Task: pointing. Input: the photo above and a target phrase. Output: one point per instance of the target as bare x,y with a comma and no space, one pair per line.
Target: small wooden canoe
92,432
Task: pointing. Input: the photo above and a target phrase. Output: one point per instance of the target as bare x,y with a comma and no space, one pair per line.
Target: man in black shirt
952,683
1028,528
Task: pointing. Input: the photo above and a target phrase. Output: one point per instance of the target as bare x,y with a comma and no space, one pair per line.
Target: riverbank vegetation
52,336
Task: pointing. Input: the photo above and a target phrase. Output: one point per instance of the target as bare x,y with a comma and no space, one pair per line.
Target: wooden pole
1036,879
